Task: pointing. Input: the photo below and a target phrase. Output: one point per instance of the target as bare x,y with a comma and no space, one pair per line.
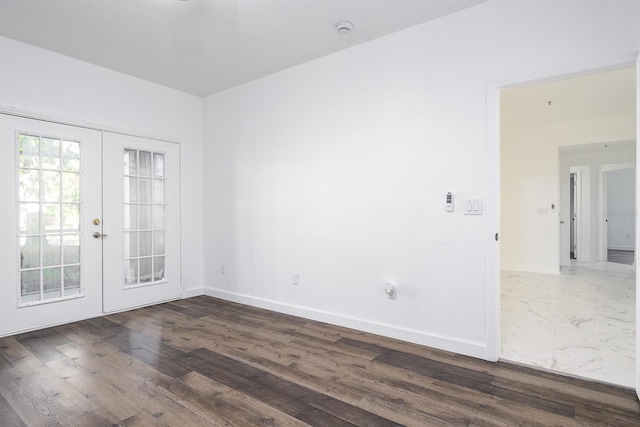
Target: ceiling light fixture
344,27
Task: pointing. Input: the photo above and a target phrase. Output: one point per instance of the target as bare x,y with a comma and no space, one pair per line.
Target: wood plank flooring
208,362
620,256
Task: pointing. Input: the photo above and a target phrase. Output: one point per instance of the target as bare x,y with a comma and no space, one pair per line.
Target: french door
89,223
142,221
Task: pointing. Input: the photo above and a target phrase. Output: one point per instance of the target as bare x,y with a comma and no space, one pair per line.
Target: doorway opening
564,305
620,226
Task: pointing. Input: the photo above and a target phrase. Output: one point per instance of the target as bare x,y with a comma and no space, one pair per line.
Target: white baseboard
51,325
456,345
193,292
531,268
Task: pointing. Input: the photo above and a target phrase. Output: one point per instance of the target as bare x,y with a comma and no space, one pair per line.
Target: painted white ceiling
206,46
604,94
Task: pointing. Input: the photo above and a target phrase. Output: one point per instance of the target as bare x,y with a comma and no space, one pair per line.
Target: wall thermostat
449,202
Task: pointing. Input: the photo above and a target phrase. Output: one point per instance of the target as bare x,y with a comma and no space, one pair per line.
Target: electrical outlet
296,279
222,269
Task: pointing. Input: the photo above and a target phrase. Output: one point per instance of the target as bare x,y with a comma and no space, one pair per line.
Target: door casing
493,185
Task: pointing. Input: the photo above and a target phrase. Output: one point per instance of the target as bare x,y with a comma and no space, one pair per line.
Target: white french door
75,243
51,191
142,221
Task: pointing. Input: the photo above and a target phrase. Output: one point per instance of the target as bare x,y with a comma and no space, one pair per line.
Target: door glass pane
158,243
158,216
144,190
29,218
71,251
71,156
158,164
130,162
144,163
29,252
130,217
29,144
131,272
146,275
130,245
50,153
71,214
30,285
72,280
49,230
51,218
52,282
51,186
130,189
51,250
71,187
144,217
158,268
29,185
145,243
158,191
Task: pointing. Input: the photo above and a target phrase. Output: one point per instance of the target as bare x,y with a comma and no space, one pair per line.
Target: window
49,219
144,218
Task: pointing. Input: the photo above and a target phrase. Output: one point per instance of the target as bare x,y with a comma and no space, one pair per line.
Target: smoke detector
344,27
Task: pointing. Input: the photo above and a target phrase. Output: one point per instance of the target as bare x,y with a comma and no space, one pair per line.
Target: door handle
97,235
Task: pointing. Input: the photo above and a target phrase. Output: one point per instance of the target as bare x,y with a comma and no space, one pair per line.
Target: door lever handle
97,235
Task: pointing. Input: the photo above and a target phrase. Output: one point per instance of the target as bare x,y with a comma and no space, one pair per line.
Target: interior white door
141,221
50,184
637,228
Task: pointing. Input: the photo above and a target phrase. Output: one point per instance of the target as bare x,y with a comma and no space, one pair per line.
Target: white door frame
492,162
637,62
574,205
579,173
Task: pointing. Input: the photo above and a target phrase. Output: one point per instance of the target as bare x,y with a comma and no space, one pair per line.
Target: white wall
533,179
621,226
337,169
46,83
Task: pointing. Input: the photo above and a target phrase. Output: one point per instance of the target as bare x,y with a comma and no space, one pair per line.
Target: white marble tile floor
580,322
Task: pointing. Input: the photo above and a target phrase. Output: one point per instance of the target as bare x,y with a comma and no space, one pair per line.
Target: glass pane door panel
72,280
29,252
144,216
49,230
71,249
29,218
51,250
50,153
52,283
70,187
144,165
50,186
29,185
30,286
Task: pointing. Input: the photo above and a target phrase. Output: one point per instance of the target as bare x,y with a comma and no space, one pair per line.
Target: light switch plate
473,206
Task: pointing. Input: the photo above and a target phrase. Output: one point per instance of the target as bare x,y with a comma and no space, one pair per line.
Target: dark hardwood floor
621,257
207,362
